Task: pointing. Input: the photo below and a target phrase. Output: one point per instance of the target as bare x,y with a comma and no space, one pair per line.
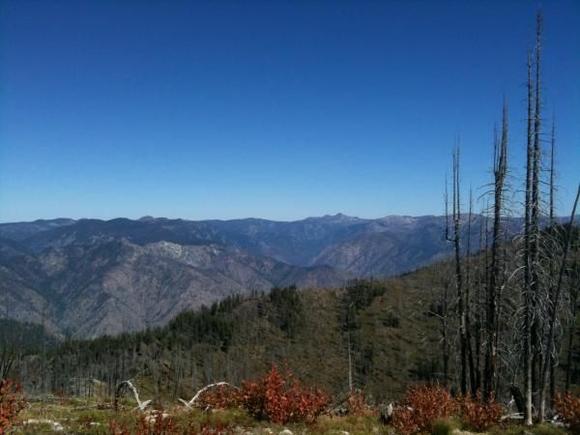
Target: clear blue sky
275,109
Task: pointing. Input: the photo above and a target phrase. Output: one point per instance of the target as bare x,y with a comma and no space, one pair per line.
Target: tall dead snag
552,173
479,302
535,210
554,311
446,209
552,360
468,264
442,308
500,173
456,239
528,264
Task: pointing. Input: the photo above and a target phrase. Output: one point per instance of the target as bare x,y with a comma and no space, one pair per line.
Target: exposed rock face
388,247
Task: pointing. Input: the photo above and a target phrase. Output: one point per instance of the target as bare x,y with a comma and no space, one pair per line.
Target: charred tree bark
500,172
535,211
479,303
552,360
470,358
527,288
459,270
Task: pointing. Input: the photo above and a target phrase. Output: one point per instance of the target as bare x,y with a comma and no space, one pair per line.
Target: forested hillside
398,331
392,337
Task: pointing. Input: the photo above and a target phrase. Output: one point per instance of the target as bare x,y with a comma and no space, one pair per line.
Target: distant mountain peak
399,219
335,218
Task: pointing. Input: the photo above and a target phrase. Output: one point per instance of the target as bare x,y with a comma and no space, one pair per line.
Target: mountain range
89,277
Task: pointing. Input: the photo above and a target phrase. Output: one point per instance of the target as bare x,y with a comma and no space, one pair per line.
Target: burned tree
500,172
528,264
456,240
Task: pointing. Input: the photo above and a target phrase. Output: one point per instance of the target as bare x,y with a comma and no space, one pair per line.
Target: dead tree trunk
479,302
470,358
552,173
527,289
552,360
535,215
500,172
456,239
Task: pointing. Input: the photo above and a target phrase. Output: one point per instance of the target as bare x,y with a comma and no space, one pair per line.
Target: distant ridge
96,277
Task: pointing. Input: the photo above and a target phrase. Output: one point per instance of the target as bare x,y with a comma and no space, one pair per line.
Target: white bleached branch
197,395
140,405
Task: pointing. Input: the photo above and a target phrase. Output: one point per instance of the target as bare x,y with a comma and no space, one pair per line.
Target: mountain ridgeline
87,278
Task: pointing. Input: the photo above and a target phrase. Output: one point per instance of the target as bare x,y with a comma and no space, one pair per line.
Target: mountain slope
390,245
92,277
110,286
291,242
22,230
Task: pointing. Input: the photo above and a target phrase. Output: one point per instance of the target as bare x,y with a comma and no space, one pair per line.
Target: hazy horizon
222,219
327,215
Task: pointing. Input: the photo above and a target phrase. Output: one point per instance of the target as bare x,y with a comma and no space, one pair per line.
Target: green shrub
548,429
517,429
444,427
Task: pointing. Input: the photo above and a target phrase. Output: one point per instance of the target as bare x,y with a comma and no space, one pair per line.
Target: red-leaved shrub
421,407
282,399
156,423
568,407
479,414
153,423
220,397
356,405
11,403
116,428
